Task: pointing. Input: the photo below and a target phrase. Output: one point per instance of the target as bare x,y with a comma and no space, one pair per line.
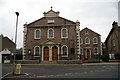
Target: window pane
95,40
64,50
50,33
37,51
64,33
96,50
37,34
87,40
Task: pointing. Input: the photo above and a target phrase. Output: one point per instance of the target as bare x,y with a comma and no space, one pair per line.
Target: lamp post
17,13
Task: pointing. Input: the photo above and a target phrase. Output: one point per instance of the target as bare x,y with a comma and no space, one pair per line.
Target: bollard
18,69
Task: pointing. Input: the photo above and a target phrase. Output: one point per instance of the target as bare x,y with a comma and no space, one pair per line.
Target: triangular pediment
49,42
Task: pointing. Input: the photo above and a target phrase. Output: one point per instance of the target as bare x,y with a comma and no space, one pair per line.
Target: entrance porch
50,51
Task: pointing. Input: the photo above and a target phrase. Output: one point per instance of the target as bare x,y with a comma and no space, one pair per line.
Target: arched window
95,41
64,50
64,33
37,34
50,33
95,51
87,40
37,51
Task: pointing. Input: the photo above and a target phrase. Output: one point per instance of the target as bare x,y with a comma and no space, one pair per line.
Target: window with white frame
64,50
36,51
50,33
95,51
64,33
87,40
95,40
37,34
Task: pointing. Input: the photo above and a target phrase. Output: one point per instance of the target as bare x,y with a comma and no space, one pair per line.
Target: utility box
18,69
83,60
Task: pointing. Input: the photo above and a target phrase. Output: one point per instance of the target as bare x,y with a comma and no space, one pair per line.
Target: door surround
46,53
88,51
50,52
54,53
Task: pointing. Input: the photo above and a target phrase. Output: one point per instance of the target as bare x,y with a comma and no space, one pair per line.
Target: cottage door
54,53
46,53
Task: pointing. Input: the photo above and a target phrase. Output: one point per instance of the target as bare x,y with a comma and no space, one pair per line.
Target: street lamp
17,13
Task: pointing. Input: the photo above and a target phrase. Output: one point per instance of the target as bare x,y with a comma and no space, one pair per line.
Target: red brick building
52,38
90,44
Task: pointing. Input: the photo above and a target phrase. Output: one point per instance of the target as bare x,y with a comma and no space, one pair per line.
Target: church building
90,44
51,38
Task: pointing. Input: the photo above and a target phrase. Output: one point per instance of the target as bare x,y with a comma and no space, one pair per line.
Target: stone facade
51,38
113,41
90,44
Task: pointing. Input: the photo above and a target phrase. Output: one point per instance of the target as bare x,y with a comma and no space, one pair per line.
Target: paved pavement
86,70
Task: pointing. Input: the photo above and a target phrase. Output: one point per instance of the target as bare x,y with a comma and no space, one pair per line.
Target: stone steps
48,62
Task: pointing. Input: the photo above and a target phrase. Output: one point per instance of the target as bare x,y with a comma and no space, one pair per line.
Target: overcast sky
98,15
